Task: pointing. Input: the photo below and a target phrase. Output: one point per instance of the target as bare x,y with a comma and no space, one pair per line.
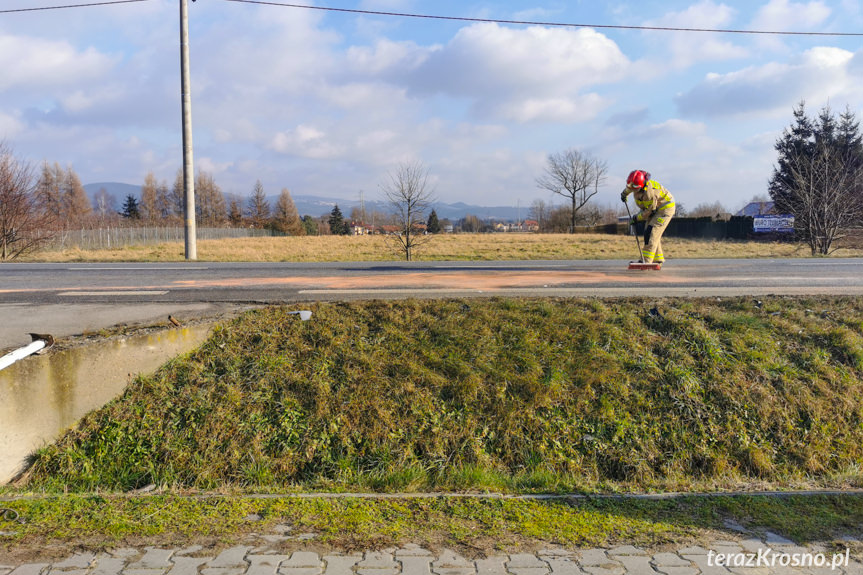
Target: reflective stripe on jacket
652,198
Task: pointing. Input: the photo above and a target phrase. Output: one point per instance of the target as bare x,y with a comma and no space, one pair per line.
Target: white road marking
529,265
88,269
860,263
115,292
389,291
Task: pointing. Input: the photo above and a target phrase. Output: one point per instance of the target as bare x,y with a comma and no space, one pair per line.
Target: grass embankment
503,394
472,526
492,247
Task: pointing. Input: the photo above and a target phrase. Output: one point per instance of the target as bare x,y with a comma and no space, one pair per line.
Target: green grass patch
512,395
479,525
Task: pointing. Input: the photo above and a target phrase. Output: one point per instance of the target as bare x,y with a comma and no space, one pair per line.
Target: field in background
478,247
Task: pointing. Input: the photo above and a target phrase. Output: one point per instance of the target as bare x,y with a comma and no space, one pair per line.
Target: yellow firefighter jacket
652,198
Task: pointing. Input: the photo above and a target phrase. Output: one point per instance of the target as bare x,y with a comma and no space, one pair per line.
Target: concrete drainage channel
43,395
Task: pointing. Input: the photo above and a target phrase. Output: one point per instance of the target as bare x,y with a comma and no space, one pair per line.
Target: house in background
753,209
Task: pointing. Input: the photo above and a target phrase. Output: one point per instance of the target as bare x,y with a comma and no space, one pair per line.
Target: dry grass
488,247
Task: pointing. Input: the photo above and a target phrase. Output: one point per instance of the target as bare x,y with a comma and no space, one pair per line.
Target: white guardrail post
40,342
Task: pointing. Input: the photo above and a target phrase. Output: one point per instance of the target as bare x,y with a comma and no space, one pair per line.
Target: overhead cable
536,23
62,7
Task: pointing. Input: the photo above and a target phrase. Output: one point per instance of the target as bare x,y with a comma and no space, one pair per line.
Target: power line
106,3
535,23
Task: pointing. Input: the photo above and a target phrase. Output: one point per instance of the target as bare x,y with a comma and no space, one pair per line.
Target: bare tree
707,210
49,191
539,211
410,196
106,205
209,200
825,197
163,201
77,208
575,175
819,177
177,196
149,191
23,226
470,224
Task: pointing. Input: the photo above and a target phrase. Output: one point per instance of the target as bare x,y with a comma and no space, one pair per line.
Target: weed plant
518,395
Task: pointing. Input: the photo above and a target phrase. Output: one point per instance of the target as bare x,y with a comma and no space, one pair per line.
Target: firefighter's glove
634,219
623,196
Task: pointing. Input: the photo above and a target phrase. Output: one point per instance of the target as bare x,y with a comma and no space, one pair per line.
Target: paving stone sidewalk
750,556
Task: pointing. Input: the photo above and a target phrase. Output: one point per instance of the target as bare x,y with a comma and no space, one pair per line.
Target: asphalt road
68,299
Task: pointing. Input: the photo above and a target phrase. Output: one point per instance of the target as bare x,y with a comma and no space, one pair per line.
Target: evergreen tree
235,214
795,142
433,224
819,176
850,140
338,226
310,225
258,207
130,208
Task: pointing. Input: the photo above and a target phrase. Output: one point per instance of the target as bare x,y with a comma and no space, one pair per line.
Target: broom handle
637,241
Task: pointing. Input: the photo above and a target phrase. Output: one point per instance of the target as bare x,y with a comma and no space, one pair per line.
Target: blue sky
327,103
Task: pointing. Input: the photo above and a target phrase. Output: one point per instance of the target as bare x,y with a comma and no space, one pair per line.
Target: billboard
777,224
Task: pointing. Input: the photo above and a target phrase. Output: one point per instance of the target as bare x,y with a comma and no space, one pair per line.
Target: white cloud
10,126
305,141
384,56
367,96
674,128
212,166
530,74
30,62
567,110
535,15
819,73
784,15
387,5
690,48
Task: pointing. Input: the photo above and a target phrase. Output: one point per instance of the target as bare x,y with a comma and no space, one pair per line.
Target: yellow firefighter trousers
656,224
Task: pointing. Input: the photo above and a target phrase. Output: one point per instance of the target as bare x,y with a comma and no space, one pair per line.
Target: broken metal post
40,342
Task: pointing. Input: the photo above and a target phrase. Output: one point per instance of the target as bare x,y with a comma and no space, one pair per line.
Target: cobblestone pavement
752,556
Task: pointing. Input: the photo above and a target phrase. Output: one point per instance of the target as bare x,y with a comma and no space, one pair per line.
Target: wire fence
120,237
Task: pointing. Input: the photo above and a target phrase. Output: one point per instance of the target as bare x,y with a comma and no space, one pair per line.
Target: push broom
639,265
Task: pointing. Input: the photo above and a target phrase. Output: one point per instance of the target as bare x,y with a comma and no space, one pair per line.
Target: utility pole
188,163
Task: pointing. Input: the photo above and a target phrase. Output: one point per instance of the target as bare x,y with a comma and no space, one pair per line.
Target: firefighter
657,209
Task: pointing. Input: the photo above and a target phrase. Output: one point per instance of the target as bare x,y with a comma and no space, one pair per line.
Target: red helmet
637,179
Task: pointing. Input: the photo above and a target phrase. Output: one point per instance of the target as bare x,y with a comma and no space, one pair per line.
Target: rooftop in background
756,209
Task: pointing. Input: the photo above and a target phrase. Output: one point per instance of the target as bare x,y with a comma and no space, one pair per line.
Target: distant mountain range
318,205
